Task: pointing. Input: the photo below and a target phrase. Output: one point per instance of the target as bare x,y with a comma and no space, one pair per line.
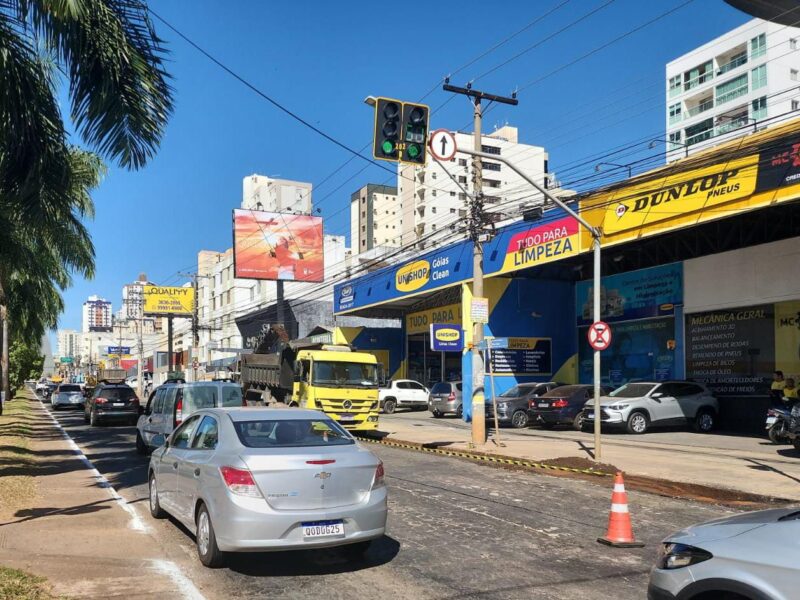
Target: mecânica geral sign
178,301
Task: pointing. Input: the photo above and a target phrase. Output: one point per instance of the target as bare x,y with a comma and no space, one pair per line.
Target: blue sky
322,58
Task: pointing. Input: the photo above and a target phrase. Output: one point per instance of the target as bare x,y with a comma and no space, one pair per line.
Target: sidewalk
747,466
72,530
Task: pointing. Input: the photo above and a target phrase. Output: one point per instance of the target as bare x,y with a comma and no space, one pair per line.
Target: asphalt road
456,530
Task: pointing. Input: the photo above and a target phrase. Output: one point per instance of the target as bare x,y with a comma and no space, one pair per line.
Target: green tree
112,62
25,362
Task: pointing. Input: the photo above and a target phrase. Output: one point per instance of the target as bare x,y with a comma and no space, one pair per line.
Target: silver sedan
260,479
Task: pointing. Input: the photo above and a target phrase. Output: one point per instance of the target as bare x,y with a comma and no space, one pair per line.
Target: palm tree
39,267
110,57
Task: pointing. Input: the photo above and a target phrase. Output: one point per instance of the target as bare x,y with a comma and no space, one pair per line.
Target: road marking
185,586
135,522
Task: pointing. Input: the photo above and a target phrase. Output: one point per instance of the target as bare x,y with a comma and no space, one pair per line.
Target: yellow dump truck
338,380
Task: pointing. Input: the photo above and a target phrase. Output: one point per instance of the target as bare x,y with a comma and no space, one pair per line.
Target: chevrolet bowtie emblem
323,475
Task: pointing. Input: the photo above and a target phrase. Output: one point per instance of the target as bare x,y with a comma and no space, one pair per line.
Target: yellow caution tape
483,457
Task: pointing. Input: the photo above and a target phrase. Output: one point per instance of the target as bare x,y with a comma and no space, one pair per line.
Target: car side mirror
657,395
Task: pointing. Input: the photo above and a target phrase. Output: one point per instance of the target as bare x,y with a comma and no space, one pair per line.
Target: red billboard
270,245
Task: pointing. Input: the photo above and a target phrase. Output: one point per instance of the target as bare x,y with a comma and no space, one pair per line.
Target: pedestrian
789,391
778,383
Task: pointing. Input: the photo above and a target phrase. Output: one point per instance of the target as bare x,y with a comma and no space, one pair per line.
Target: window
433,193
759,108
795,104
490,166
700,132
492,183
452,211
282,433
462,162
737,60
462,196
674,86
207,435
758,76
491,199
758,46
452,194
698,75
462,179
731,89
674,113
433,209
793,74
433,175
433,227
363,228
675,137
490,149
792,44
183,434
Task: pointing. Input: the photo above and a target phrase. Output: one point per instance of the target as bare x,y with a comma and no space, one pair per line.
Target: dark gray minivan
171,403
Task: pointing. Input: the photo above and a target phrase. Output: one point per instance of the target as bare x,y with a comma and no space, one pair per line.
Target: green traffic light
387,146
413,150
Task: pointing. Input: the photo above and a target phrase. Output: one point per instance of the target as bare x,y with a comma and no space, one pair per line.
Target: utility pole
476,223
195,329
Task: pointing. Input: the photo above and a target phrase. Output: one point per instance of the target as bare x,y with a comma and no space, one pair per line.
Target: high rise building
434,198
733,85
69,343
276,195
375,218
96,315
133,298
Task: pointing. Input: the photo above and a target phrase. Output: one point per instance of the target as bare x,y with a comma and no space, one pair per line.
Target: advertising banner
269,245
119,350
760,171
540,244
639,350
425,273
178,301
420,322
524,356
639,294
732,351
446,338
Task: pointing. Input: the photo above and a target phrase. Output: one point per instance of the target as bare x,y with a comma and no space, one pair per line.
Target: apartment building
96,315
260,192
742,81
375,218
69,343
434,198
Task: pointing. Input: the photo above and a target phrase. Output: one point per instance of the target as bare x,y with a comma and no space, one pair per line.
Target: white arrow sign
442,144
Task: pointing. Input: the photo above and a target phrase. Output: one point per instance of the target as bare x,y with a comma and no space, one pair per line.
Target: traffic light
414,131
387,129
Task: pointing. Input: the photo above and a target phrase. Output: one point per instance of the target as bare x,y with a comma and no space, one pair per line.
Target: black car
112,402
562,405
512,405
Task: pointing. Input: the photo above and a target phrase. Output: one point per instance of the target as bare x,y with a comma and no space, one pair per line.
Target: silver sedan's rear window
287,433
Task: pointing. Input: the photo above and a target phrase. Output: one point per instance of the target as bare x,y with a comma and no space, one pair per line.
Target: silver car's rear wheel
519,419
155,505
207,549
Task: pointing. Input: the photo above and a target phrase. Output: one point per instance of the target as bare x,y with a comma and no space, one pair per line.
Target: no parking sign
599,335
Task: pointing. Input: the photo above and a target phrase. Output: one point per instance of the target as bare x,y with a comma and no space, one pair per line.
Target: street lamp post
598,167
652,144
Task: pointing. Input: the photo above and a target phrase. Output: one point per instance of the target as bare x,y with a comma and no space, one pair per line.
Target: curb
481,457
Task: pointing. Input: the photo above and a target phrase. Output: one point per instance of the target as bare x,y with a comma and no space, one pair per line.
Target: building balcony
737,61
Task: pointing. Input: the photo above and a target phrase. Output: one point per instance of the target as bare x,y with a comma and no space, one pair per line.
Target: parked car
67,394
446,398
259,479
562,405
512,405
644,404
171,403
111,402
748,556
403,393
41,388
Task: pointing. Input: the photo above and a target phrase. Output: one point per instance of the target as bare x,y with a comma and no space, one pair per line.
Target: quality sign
159,300
446,338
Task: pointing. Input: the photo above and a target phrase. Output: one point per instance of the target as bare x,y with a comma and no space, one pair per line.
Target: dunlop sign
177,301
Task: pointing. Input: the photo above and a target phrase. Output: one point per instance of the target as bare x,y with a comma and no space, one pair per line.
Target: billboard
176,301
746,174
270,245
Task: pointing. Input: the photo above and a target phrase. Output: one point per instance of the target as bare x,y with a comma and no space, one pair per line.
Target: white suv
642,404
403,393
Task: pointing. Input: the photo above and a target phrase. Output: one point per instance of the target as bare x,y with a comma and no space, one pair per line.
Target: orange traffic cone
620,532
